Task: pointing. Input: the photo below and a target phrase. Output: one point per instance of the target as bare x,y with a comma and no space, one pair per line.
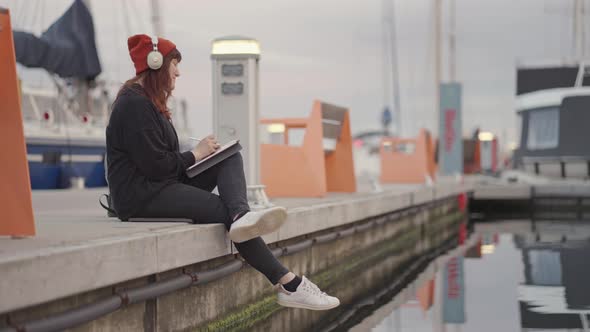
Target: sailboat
65,126
552,102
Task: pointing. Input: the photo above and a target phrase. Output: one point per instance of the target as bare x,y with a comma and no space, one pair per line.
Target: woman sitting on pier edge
146,173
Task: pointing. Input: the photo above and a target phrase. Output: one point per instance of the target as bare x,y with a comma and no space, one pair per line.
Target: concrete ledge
188,244
69,256
562,190
422,195
523,191
502,192
52,273
323,216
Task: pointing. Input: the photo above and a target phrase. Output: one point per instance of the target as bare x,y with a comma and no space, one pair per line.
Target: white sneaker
257,223
307,296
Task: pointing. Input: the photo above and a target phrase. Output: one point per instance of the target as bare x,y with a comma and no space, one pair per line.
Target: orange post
15,191
340,164
425,295
309,170
471,156
407,160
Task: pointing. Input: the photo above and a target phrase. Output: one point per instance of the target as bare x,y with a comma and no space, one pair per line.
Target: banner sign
450,140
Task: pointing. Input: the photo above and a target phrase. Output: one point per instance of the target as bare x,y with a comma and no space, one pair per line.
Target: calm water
509,276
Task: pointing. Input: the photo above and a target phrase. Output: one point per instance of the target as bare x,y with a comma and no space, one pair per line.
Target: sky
332,50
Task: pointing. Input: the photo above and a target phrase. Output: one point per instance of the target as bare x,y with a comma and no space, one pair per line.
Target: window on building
543,129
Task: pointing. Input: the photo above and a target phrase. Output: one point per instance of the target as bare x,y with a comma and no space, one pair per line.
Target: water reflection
509,276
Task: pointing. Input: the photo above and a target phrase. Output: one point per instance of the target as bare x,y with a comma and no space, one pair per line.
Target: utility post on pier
235,104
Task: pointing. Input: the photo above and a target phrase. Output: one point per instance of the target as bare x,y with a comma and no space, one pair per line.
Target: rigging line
128,33
11,4
41,25
453,41
139,25
20,16
33,17
379,52
574,28
417,84
357,60
426,110
126,18
411,100
116,38
42,18
561,29
583,29
142,25
15,13
385,53
564,31
395,70
30,19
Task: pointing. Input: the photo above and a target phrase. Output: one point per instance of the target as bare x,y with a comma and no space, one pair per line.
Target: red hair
156,83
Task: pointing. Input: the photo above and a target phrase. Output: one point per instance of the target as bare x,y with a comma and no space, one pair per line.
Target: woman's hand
206,146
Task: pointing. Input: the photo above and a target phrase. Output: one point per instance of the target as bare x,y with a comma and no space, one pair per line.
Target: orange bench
407,160
322,164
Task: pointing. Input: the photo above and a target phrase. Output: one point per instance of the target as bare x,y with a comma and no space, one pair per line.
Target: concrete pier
80,256
556,199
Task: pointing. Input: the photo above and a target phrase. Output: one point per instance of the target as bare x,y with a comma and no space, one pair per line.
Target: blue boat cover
67,48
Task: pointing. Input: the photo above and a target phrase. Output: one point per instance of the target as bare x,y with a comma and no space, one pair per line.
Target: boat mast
579,39
384,58
395,73
390,60
437,60
452,42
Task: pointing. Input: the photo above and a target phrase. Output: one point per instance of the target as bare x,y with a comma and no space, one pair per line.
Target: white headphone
155,58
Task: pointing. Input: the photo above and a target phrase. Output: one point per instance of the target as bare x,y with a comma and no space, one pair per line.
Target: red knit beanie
141,45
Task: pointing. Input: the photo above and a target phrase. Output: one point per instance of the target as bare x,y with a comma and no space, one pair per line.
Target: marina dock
553,200
81,257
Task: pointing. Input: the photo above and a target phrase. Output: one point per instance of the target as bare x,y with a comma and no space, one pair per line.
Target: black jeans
193,199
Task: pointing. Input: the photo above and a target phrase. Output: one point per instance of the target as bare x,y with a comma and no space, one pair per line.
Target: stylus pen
195,139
